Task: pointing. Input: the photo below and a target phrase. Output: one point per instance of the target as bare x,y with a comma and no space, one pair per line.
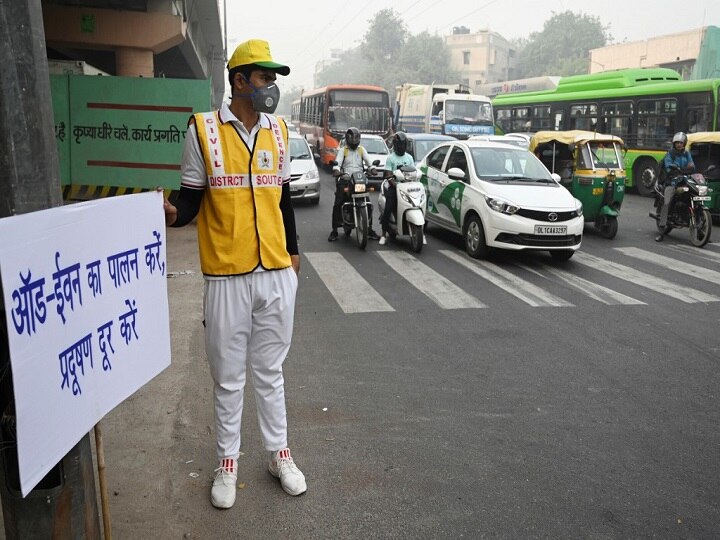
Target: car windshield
503,164
374,146
299,149
423,147
468,112
603,155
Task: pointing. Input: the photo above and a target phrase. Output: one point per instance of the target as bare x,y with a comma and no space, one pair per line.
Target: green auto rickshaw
590,166
704,147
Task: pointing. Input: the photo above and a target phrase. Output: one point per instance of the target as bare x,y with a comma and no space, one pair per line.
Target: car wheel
474,236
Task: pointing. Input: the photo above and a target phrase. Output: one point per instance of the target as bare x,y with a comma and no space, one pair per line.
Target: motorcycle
355,211
687,208
409,216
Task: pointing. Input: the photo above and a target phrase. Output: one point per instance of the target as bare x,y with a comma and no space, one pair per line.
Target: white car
304,177
500,196
376,149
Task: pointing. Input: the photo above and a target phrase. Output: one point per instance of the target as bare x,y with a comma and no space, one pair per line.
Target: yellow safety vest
240,225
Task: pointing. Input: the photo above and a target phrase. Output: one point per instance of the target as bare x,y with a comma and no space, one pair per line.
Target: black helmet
352,138
399,143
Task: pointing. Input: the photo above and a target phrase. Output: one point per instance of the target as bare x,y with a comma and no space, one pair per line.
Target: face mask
264,99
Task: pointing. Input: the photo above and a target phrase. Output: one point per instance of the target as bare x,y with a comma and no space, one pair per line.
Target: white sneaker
222,494
424,240
291,479
383,240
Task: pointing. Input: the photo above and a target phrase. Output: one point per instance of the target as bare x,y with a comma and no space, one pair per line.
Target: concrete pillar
132,62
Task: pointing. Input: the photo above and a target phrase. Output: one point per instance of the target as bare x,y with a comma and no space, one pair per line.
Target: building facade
692,53
481,57
139,38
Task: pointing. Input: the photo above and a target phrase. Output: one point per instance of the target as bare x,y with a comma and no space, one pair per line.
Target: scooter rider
349,160
677,161
398,158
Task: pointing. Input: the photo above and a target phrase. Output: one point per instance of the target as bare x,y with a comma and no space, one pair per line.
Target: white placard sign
85,290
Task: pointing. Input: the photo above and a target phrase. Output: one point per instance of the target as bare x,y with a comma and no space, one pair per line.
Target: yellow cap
256,51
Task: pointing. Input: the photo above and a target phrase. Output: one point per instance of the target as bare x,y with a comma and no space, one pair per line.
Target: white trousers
249,321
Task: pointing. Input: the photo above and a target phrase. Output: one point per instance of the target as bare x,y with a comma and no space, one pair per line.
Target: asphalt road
571,400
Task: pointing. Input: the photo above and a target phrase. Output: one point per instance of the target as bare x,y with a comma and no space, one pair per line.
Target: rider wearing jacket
350,159
398,158
676,162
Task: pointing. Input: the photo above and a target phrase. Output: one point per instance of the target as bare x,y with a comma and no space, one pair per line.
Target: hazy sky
302,32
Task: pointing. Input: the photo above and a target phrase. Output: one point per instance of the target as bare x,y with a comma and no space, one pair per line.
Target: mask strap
239,94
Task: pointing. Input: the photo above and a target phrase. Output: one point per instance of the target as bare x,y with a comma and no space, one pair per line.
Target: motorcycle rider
676,162
398,158
349,160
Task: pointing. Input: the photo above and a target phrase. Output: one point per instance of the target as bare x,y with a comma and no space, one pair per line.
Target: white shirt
193,173
353,162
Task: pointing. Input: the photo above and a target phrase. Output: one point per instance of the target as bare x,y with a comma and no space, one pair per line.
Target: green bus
644,106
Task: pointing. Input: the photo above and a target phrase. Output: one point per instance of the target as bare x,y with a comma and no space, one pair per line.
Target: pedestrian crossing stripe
705,253
584,286
522,289
681,266
354,294
654,283
351,291
435,286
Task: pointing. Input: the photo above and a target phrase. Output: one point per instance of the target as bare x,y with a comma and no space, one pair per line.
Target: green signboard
124,131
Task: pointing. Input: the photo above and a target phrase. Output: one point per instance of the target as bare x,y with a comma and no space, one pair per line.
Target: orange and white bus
327,113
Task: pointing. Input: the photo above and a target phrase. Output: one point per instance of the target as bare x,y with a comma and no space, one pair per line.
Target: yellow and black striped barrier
80,192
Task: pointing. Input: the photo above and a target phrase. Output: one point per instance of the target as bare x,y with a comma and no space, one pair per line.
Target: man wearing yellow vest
235,173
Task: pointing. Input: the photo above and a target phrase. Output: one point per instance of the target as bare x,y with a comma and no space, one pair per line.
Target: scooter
687,209
409,216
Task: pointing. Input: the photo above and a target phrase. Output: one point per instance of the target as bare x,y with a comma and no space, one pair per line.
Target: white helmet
679,137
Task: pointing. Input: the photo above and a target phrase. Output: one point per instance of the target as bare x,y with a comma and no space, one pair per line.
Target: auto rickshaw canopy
575,136
703,137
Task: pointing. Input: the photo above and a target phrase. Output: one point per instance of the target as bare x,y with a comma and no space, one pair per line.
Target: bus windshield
366,119
468,112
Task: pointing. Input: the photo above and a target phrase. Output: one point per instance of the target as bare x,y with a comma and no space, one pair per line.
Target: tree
425,60
563,45
389,56
350,68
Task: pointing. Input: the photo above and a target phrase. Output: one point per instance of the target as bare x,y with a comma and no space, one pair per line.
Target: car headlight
311,174
578,208
504,207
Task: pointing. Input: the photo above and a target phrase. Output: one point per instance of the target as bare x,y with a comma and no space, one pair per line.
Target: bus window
541,118
618,118
699,115
503,120
656,122
583,116
520,116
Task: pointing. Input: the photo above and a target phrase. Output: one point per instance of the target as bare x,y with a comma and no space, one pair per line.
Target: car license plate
551,229
706,198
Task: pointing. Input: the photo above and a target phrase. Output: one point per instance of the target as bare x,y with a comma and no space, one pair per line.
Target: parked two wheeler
409,216
687,209
355,211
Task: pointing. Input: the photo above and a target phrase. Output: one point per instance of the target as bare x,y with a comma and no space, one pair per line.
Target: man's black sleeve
288,215
188,205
